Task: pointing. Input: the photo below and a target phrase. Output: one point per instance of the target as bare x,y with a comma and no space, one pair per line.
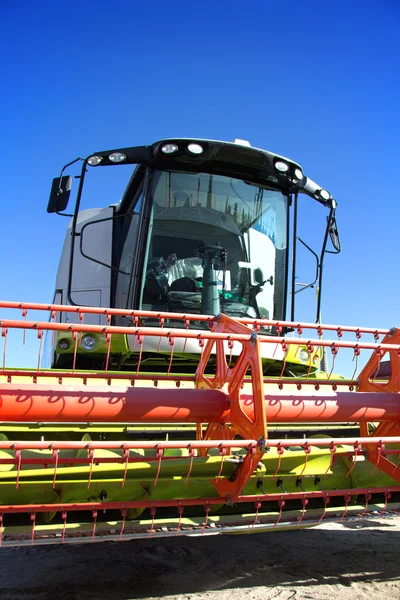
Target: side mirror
59,195
334,235
258,276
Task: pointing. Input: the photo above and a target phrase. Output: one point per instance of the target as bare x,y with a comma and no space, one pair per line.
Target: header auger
178,399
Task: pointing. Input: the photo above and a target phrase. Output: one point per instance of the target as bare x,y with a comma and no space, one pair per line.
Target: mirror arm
305,286
69,164
64,214
73,230
321,264
308,285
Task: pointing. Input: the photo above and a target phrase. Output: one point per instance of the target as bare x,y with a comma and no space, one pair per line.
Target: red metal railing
175,333
229,402
150,529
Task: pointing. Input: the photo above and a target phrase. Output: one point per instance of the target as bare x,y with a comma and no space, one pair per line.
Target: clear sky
315,81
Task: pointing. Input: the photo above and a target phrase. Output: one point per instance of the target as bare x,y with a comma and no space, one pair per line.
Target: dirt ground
359,560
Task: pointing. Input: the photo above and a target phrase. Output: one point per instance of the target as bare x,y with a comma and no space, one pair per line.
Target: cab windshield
215,244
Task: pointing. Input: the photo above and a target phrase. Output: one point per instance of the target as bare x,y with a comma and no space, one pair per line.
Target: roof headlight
117,157
324,194
94,160
169,148
281,166
298,173
195,149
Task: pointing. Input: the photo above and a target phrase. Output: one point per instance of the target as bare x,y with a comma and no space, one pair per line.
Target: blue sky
313,81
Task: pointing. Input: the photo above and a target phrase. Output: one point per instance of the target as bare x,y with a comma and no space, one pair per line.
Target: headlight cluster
294,174
172,148
88,343
305,356
114,157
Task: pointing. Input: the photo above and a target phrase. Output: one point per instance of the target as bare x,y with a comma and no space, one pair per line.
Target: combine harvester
179,401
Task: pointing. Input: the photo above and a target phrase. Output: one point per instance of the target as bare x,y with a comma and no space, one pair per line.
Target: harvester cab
179,400
203,227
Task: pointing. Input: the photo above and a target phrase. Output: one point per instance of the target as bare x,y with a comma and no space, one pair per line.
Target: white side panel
91,282
263,257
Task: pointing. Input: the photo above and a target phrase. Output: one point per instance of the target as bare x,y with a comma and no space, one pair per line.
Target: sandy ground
359,560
